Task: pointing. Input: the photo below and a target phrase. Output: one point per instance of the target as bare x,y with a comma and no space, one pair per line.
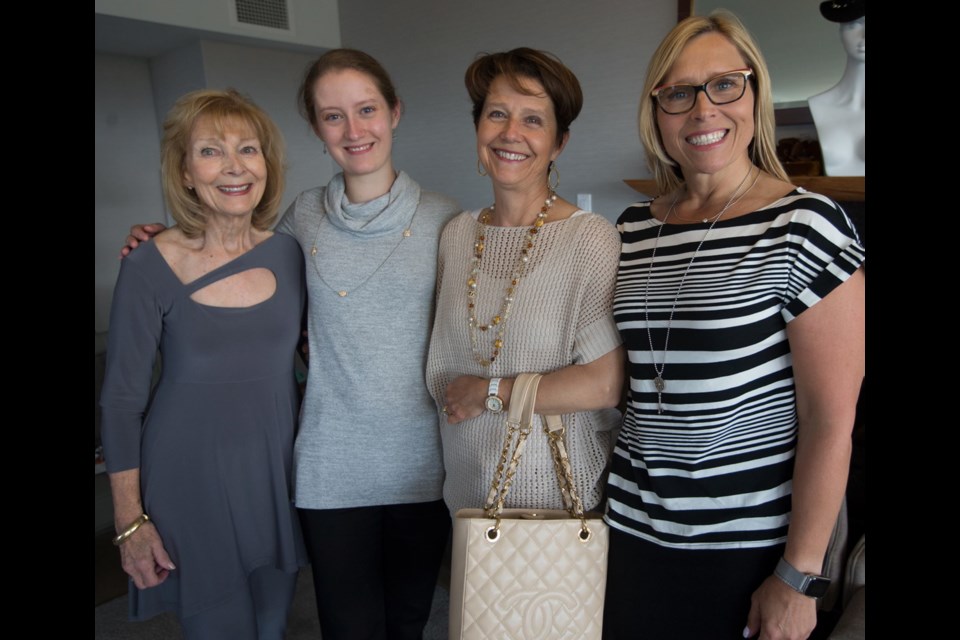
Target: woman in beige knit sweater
525,285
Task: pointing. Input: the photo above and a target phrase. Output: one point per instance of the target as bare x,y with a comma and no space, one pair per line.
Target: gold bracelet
126,533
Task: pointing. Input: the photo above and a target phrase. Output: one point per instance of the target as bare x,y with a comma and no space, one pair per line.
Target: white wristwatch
493,403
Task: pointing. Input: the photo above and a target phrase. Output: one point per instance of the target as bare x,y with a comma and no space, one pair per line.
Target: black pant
658,593
375,568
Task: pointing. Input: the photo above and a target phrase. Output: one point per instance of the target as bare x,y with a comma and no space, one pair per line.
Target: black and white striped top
713,470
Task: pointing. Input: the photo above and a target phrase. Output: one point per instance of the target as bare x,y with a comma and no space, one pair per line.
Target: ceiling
124,36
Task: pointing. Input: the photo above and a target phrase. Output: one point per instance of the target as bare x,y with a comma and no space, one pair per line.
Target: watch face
817,587
494,404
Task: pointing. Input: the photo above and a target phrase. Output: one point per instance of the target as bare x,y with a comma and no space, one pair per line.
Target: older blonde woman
201,474
740,299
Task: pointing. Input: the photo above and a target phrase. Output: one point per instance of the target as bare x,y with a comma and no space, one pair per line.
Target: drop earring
553,172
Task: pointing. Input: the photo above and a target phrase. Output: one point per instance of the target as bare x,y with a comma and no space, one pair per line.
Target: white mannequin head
853,35
838,112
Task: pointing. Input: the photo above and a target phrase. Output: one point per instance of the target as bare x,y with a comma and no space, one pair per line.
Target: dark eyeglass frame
655,94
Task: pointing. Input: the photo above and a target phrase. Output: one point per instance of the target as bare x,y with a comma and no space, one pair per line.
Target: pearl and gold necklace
499,321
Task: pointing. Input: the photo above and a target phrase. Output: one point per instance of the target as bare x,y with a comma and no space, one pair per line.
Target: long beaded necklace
498,322
658,381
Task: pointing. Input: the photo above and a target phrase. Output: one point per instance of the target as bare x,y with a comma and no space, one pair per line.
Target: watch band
493,403
808,584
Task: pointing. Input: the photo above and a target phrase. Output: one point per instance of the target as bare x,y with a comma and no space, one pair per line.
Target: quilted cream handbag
528,573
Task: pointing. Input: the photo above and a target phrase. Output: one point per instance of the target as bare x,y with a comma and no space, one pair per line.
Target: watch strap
799,581
493,402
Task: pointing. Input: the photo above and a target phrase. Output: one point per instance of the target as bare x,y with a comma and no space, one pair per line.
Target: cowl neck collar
388,213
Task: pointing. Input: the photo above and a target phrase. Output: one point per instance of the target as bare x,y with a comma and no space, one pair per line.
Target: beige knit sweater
561,315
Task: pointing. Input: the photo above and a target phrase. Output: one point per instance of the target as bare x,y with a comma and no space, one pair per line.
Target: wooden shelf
840,188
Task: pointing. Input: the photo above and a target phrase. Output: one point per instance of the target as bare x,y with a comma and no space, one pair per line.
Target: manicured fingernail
746,632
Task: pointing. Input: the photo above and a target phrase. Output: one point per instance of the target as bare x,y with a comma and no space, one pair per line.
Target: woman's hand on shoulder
140,233
144,558
777,612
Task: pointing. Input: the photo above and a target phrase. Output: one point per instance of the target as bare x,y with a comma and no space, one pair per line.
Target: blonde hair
224,108
763,148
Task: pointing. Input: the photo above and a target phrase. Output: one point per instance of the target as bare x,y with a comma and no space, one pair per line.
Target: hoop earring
480,169
553,171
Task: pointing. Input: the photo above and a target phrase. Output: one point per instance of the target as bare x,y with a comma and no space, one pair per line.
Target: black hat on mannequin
843,10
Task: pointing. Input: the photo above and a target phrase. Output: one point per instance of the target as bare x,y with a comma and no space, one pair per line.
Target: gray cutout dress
215,451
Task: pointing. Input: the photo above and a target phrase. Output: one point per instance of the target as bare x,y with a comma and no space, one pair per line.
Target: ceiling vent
264,13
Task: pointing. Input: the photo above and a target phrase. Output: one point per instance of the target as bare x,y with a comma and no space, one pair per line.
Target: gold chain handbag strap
519,424
561,464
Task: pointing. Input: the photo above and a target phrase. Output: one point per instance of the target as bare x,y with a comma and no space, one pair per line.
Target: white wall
801,47
127,166
271,78
312,22
426,45
174,73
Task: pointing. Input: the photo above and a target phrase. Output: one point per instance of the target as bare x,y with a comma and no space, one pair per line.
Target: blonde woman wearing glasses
740,301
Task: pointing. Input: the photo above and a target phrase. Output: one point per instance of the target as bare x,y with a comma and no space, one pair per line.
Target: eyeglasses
723,89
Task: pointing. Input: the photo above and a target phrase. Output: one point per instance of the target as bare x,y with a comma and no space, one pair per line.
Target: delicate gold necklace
499,321
407,232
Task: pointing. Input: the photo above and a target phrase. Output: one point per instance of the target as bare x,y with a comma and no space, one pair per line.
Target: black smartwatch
808,584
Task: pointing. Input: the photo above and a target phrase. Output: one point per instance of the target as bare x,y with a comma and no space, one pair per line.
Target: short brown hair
222,107
560,84
763,148
339,60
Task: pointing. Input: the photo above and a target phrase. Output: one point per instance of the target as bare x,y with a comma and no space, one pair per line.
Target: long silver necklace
658,380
